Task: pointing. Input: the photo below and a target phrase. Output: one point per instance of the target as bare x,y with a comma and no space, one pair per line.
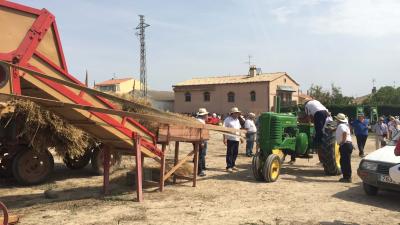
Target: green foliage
332,97
384,96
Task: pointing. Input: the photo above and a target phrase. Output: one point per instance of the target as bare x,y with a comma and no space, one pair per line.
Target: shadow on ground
389,200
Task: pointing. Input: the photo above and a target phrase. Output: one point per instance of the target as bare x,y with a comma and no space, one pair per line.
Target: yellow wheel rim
275,167
337,155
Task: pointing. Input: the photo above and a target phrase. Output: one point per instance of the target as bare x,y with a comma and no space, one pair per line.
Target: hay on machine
41,129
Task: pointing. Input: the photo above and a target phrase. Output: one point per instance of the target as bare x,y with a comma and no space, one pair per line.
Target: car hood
385,154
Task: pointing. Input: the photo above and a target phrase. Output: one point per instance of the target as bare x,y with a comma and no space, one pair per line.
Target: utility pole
143,76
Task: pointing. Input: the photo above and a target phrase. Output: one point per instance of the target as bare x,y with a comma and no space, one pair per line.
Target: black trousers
232,151
202,157
345,159
319,122
361,139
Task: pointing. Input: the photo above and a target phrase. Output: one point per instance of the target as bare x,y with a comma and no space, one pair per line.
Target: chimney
253,71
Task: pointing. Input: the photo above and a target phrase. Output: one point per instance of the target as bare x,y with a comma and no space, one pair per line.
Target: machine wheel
5,163
329,155
257,167
97,160
78,162
272,168
30,167
370,190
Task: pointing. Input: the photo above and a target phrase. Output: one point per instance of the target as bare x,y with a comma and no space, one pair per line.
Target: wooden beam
139,169
176,158
106,168
162,168
173,169
196,163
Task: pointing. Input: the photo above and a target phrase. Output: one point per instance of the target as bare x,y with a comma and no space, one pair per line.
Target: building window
231,97
188,97
206,96
253,96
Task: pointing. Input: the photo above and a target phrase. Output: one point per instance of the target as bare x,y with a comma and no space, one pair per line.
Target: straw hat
252,115
235,110
202,112
341,117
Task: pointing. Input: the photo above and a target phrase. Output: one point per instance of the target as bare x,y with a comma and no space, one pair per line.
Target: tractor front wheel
77,162
257,167
272,168
5,163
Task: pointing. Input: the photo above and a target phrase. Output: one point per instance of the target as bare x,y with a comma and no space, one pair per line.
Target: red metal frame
28,48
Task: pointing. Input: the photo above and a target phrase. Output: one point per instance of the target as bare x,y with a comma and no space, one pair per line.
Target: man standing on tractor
232,141
318,114
360,126
343,138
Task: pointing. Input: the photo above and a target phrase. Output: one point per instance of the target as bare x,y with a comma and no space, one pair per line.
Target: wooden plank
139,169
181,133
196,163
106,167
162,168
176,158
173,169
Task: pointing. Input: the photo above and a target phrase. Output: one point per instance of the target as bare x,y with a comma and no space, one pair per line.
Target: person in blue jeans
251,128
360,126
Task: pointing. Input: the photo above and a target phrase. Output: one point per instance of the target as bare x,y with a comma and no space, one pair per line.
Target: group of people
233,120
320,116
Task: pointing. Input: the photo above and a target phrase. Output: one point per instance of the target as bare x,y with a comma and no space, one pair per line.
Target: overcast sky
345,42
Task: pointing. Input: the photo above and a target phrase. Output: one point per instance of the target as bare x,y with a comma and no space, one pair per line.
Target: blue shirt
360,128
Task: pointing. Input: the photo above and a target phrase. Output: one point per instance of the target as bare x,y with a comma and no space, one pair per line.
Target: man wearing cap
202,115
232,141
251,128
381,133
343,138
318,113
360,126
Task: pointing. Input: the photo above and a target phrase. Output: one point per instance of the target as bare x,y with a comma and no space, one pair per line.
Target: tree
333,97
386,95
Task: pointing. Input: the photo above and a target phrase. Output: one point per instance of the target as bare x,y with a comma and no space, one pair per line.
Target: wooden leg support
196,163
176,157
162,169
139,169
106,167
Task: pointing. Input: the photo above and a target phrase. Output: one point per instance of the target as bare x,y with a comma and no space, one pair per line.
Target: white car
374,168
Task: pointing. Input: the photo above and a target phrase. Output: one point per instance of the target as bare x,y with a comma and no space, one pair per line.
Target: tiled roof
113,81
231,79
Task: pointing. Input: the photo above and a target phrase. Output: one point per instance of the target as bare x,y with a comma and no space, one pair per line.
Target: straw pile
42,129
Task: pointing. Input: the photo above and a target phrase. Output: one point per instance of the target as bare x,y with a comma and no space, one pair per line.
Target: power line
143,73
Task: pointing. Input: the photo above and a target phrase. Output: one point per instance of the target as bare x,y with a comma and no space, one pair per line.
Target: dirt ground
302,195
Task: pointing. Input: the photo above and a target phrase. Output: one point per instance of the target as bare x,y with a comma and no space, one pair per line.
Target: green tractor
280,134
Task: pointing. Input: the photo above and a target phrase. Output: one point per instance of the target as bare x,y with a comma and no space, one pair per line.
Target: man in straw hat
232,141
343,138
201,116
251,128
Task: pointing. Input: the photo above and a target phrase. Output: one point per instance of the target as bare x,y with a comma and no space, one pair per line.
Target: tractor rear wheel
30,167
5,163
272,168
98,157
329,155
257,167
77,162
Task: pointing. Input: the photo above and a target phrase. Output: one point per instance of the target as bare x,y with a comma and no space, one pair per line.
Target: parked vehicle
374,168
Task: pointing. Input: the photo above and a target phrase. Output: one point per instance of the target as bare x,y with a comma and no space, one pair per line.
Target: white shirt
314,106
201,120
327,121
339,133
250,126
232,123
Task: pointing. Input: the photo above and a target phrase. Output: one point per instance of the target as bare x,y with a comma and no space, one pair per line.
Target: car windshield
395,139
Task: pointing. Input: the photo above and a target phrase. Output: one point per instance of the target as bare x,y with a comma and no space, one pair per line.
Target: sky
347,43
